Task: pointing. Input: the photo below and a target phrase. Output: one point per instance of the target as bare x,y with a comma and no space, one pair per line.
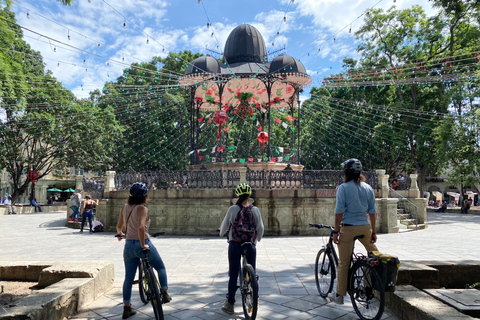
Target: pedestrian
251,230
355,200
443,207
465,207
35,204
11,208
87,212
134,216
395,185
401,177
75,201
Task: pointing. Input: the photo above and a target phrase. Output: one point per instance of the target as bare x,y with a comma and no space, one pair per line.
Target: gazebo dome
203,64
245,44
286,64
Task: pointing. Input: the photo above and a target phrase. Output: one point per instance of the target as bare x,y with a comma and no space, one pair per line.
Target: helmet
138,190
352,166
243,189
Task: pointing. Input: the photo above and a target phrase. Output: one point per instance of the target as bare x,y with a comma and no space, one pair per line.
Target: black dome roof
286,64
245,44
203,64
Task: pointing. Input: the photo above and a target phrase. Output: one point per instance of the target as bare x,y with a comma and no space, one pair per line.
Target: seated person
394,185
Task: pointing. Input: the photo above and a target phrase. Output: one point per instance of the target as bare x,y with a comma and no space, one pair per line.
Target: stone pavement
197,266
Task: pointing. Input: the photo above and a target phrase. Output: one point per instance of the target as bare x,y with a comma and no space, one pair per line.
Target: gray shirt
230,218
75,200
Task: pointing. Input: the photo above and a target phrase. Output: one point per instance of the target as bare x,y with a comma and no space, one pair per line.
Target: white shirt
7,202
230,218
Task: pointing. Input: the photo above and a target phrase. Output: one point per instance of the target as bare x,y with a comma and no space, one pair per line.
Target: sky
92,41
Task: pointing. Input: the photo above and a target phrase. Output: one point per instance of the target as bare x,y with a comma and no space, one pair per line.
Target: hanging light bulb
89,1
124,25
84,61
212,35
318,49
217,47
148,41
208,25
98,45
86,69
28,15
350,30
54,49
284,19
333,39
58,64
108,64
123,59
273,44
198,1
278,33
68,35
163,49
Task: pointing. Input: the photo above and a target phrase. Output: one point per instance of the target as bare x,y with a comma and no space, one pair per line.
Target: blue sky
96,27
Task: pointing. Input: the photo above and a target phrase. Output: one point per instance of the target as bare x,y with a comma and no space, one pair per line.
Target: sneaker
166,297
128,312
75,221
81,231
228,307
70,219
334,297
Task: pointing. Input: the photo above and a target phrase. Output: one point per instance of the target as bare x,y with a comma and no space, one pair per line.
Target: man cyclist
235,249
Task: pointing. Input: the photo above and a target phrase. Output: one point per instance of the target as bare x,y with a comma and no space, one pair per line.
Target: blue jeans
37,206
75,212
87,214
235,251
131,258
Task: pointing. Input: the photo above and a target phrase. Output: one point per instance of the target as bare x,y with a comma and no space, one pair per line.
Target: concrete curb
70,286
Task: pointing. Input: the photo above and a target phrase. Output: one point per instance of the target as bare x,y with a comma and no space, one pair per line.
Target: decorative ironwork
264,179
94,187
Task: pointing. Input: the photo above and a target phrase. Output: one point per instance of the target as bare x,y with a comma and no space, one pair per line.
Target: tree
44,125
9,3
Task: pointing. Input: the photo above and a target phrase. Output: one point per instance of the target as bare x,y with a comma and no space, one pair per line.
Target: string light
350,30
68,36
284,19
28,15
208,25
212,35
148,40
198,1
98,45
124,24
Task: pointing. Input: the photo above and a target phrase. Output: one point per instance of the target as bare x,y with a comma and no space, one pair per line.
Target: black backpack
244,228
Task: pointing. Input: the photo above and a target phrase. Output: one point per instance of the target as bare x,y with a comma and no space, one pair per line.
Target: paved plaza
197,266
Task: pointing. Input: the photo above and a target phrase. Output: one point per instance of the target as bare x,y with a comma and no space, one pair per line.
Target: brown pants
345,247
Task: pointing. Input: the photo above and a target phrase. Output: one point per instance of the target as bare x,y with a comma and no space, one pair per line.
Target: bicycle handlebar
320,226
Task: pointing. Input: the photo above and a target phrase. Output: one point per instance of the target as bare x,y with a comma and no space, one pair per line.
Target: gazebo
246,82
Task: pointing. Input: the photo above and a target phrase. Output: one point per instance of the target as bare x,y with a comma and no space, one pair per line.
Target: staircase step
408,222
418,226
403,216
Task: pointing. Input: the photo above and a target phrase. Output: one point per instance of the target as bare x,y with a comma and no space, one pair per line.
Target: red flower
289,90
199,98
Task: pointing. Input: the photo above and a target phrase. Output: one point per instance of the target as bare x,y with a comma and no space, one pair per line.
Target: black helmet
352,166
243,189
138,190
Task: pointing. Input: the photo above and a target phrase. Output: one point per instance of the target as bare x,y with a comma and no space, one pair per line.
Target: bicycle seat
359,237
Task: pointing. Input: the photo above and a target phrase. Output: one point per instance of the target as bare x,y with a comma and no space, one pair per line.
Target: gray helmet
352,166
138,190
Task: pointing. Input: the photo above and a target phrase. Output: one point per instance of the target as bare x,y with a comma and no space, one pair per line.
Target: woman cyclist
235,249
134,216
355,199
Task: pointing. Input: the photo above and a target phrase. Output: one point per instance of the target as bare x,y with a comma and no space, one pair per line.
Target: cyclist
134,216
355,199
235,249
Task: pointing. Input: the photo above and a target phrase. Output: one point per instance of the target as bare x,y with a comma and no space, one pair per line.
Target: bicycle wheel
324,272
155,297
143,283
366,291
249,291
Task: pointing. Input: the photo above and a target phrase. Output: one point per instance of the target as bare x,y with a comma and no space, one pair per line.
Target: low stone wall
69,286
23,208
200,212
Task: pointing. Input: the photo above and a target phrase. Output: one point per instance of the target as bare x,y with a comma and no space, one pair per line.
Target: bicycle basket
388,269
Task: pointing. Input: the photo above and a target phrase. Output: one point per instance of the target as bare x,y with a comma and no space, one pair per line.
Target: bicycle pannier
244,228
389,266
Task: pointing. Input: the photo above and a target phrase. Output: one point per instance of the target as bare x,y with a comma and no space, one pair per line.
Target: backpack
244,228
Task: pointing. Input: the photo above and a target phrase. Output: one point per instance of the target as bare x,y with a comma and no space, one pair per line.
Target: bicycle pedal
136,281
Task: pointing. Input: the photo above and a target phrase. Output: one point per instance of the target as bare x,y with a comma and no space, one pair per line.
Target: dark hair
88,197
242,198
355,176
136,200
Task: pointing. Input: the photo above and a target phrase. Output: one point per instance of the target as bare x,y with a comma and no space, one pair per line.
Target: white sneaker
333,297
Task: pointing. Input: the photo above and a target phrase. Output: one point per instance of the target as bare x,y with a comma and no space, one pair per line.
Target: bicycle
365,286
148,285
248,286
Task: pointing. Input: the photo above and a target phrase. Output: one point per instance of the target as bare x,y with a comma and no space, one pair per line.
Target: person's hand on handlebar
335,238
146,246
120,236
